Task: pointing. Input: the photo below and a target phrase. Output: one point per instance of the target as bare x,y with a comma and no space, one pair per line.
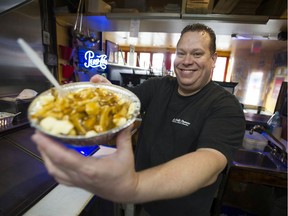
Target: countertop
24,179
57,200
254,119
26,187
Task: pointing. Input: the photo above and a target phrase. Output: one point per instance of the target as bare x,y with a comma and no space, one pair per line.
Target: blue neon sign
91,59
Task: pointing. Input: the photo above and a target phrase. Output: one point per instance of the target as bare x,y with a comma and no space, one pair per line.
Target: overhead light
143,16
209,17
227,18
252,37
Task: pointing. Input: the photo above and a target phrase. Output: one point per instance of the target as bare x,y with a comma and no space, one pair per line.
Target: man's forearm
180,177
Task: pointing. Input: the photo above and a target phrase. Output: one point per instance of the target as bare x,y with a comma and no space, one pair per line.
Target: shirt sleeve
224,127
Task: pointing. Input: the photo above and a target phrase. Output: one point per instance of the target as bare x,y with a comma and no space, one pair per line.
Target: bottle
274,124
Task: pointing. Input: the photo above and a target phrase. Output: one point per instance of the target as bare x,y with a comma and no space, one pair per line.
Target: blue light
84,150
101,23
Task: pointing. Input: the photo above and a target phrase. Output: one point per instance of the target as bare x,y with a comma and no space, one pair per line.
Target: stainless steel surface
262,129
7,118
101,138
38,62
7,5
258,160
24,178
254,158
16,70
278,149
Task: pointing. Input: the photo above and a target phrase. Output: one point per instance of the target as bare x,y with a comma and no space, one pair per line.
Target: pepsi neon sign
91,59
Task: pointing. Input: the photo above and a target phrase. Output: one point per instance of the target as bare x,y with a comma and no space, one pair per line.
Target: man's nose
188,59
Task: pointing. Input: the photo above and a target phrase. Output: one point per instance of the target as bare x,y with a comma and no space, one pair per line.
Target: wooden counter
256,119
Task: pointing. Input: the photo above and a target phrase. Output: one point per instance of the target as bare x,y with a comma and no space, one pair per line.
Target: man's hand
112,177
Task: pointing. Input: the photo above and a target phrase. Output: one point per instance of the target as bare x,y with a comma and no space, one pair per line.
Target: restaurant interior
138,40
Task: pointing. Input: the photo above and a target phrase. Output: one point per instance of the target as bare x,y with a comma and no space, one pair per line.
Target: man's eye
180,54
197,54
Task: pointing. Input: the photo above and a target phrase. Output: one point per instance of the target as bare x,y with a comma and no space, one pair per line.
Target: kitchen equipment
6,118
255,141
19,104
14,105
82,140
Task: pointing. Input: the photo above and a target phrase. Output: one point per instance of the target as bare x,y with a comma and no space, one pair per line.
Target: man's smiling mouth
187,71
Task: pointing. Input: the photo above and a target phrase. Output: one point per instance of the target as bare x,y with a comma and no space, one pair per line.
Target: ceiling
162,29
7,5
166,38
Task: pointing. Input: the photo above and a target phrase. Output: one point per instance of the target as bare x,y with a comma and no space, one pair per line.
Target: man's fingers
99,79
56,152
63,164
123,139
59,174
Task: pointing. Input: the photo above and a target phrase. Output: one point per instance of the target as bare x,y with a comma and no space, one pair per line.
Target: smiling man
190,127
195,59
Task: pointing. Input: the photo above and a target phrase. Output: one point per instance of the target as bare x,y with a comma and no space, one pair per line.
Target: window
173,55
157,62
253,90
112,51
144,60
132,59
219,70
121,58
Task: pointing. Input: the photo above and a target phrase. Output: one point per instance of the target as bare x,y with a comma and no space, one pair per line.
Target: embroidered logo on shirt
180,121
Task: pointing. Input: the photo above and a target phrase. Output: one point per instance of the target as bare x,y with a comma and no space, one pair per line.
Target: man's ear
214,58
